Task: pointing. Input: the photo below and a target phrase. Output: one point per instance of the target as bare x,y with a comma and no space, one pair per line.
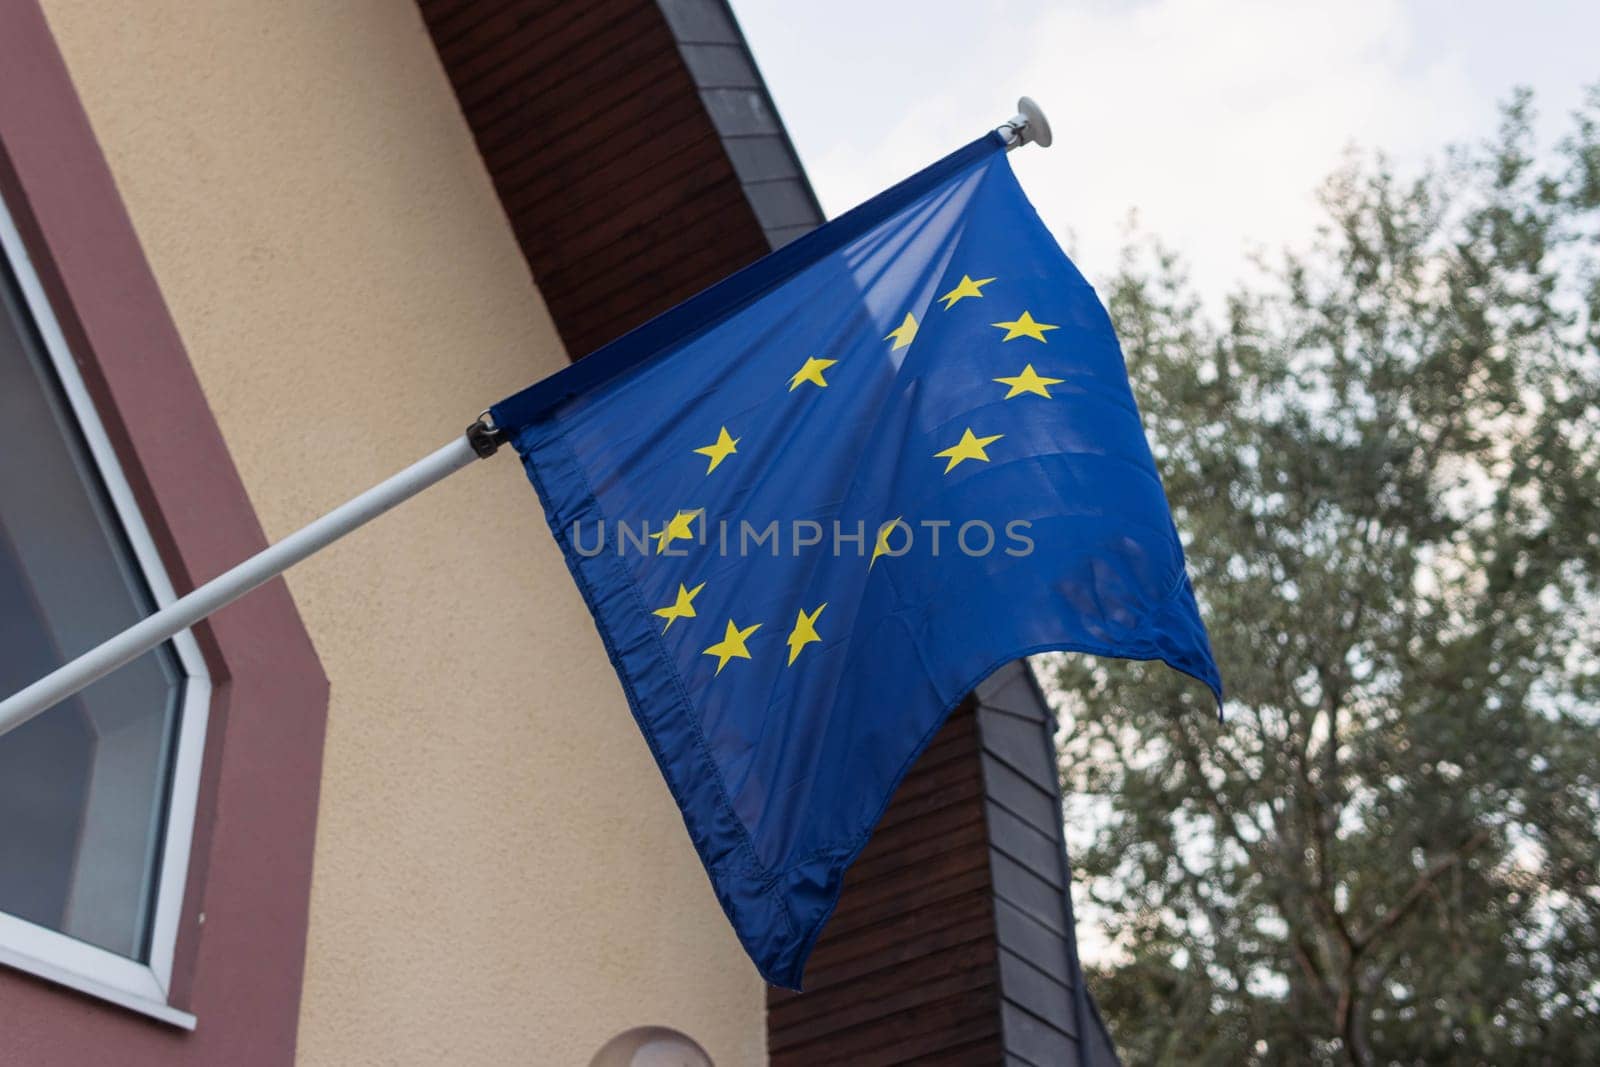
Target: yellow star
804,632
680,528
902,334
1029,382
682,609
967,288
721,450
732,645
1024,326
883,540
969,447
811,372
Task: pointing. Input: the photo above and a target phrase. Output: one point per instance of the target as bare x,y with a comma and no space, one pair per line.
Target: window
97,795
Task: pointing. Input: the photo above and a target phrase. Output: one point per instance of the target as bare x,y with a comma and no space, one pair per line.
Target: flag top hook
1028,125
484,436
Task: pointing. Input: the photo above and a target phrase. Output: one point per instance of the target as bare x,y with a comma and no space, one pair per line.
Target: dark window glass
83,787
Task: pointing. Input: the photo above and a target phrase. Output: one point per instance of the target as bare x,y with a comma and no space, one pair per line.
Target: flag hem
710,306
711,819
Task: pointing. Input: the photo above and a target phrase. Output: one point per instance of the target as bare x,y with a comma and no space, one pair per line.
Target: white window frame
36,949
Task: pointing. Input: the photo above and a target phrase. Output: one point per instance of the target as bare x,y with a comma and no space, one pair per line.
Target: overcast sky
1216,119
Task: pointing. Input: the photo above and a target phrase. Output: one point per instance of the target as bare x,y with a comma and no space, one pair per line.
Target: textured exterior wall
500,874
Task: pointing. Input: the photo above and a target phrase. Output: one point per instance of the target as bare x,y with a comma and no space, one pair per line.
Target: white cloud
1216,119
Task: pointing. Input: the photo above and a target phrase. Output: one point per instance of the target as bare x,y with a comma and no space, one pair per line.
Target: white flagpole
229,586
1027,126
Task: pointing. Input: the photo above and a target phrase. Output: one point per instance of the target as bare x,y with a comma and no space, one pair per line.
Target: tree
1386,463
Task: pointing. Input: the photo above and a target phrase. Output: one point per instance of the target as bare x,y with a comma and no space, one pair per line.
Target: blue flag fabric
812,507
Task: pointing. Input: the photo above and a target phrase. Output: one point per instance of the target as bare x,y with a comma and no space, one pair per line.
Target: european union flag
812,507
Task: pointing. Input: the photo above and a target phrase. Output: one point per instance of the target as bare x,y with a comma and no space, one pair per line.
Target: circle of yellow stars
971,447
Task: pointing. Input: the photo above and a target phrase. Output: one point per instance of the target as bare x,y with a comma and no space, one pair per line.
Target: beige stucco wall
501,876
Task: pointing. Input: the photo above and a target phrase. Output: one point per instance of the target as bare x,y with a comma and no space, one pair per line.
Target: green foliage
1387,464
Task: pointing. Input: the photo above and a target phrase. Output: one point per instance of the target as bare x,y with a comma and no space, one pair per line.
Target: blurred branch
1391,919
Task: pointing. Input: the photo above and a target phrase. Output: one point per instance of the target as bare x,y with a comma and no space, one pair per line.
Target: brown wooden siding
611,172
907,969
